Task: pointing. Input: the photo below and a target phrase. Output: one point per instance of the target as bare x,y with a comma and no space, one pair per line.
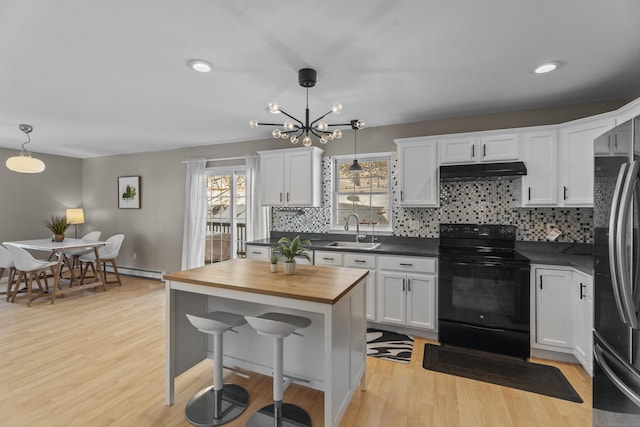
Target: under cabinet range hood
478,171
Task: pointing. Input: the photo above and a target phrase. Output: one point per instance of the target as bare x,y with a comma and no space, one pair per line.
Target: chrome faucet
346,226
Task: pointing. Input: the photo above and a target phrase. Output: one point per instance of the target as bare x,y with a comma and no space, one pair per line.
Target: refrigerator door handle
614,259
601,355
625,278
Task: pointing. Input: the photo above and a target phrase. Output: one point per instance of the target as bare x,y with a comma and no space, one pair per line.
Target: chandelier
296,130
24,163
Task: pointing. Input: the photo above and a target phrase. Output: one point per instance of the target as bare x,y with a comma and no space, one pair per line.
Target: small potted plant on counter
290,249
57,225
274,261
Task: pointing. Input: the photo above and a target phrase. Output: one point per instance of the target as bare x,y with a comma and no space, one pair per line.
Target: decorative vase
274,268
58,237
289,267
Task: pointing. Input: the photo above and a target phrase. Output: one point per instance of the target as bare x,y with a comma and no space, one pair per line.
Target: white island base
330,356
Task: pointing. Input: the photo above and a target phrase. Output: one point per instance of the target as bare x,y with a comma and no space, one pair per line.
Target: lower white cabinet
261,253
354,260
407,291
563,313
583,320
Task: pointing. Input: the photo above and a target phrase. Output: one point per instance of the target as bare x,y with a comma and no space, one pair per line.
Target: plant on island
290,249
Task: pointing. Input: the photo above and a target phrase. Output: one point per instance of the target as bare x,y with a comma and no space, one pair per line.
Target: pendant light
355,125
24,163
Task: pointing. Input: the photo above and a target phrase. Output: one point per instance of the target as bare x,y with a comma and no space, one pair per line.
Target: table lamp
75,217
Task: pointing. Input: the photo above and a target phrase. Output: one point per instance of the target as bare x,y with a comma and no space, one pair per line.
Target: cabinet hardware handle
408,285
359,260
281,197
403,287
406,265
327,259
473,151
529,193
615,141
564,192
287,196
256,253
401,195
582,296
484,150
540,281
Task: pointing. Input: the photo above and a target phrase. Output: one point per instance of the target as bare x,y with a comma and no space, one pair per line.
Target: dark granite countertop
578,256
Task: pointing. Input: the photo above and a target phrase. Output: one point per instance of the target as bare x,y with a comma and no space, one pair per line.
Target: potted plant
274,261
290,249
57,225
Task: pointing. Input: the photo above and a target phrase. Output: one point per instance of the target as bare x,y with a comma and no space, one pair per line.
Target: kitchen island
330,356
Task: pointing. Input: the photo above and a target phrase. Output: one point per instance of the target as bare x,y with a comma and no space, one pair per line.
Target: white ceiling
97,77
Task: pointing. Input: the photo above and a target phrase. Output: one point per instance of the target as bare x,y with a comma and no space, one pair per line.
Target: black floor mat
499,369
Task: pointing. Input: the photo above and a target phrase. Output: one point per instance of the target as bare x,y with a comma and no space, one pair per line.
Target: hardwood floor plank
96,358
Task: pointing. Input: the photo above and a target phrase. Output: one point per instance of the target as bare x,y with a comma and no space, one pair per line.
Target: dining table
58,249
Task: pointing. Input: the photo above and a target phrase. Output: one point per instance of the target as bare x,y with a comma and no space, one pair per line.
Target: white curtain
258,217
195,214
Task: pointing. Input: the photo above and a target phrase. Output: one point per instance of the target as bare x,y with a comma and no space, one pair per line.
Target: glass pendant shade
24,163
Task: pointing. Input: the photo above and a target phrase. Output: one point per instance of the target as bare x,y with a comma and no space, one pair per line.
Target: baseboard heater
138,272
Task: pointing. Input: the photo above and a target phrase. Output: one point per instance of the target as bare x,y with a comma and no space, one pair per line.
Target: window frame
335,228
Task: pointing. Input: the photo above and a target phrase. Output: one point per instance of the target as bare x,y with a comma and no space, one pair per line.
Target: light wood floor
97,359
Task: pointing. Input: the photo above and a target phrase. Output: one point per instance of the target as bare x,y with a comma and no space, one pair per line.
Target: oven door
484,293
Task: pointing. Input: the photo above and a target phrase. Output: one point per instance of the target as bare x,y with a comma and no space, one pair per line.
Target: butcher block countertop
323,284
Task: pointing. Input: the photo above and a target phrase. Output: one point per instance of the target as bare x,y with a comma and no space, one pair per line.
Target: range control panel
478,231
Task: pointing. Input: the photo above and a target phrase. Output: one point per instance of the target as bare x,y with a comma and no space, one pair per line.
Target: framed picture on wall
129,192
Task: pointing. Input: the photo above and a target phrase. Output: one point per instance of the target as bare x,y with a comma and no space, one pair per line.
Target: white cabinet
480,148
576,151
418,180
354,260
553,305
583,325
407,291
540,185
261,253
291,177
616,142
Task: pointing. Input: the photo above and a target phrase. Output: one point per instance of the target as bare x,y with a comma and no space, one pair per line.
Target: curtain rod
221,159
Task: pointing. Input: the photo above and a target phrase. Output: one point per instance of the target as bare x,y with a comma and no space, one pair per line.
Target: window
226,215
366,193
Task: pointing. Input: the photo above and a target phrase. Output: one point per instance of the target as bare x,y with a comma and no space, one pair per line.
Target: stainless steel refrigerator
616,217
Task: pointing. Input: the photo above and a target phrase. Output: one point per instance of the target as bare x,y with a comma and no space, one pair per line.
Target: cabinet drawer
422,265
258,252
360,261
328,258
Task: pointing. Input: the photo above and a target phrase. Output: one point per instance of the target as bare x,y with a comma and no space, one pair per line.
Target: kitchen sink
353,245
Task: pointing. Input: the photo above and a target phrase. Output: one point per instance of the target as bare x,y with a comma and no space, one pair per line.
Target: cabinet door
583,326
392,302
370,295
261,253
421,301
540,185
554,308
458,150
272,175
299,178
576,160
418,179
499,148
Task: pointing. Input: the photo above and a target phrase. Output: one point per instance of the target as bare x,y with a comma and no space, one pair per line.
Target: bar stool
220,403
278,414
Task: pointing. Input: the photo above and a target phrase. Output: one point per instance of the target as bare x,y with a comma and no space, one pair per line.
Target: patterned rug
389,345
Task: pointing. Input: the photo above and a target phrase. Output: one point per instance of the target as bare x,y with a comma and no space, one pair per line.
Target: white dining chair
75,254
6,263
27,265
108,253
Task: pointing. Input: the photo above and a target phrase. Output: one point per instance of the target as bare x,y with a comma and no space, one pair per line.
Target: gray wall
29,199
154,232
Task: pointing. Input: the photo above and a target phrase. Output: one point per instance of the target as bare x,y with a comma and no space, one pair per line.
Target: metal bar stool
220,403
278,414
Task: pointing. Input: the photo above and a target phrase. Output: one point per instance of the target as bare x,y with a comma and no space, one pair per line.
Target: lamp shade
24,163
75,216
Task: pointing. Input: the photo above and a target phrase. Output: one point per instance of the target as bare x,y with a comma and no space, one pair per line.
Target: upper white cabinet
291,177
576,151
418,179
540,185
479,148
616,142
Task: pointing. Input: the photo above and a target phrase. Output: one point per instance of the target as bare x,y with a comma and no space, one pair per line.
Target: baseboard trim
138,272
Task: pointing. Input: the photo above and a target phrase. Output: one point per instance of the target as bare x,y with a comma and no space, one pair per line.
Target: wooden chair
27,265
107,253
6,263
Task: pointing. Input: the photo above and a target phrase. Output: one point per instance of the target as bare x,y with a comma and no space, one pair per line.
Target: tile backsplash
481,202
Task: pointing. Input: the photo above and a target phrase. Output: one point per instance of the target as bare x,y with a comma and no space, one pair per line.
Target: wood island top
323,284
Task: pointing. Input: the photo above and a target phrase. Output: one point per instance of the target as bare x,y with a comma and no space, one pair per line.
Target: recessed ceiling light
200,65
545,68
